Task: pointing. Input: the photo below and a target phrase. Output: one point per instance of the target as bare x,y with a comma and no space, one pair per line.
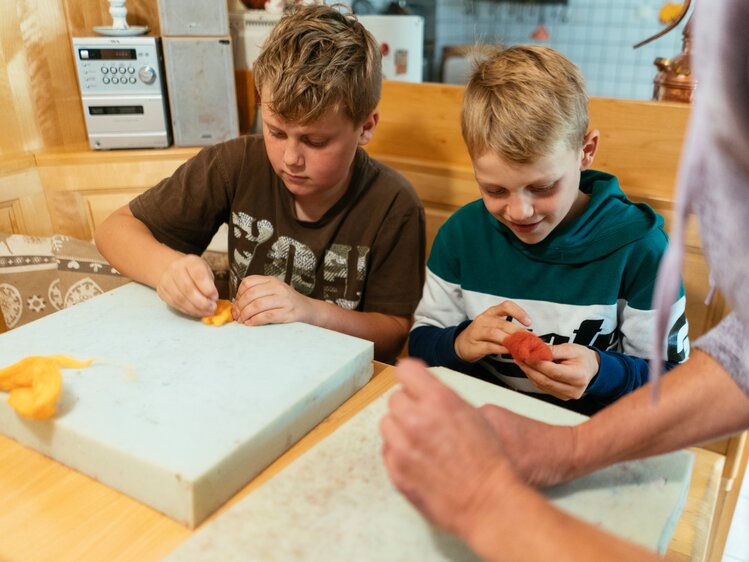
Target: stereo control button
105,80
115,80
147,74
122,70
132,80
113,69
130,69
104,70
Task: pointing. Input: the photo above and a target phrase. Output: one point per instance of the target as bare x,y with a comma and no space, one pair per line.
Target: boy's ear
590,147
367,128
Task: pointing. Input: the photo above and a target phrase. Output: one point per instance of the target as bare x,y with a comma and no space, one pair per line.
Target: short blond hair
521,101
318,59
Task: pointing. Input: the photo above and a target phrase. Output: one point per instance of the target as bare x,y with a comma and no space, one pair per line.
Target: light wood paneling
36,67
83,15
40,105
84,187
23,209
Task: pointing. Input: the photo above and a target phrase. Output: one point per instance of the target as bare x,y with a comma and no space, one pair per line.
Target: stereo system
124,80
123,91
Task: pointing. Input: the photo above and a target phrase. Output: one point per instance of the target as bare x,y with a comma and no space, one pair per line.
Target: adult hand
482,337
568,375
187,285
541,454
262,299
442,453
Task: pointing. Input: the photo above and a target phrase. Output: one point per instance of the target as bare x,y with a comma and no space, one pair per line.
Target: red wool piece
527,346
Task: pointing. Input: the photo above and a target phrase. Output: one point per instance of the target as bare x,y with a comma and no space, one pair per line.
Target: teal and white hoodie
589,282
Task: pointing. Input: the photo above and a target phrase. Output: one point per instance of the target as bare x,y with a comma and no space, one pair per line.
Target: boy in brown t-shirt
318,231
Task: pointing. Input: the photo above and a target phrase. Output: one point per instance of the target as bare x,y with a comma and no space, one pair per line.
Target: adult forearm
698,402
516,523
387,332
130,247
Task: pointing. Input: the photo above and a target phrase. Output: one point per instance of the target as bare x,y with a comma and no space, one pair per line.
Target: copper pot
674,81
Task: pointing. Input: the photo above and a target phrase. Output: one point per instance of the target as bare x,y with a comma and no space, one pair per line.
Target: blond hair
318,59
521,101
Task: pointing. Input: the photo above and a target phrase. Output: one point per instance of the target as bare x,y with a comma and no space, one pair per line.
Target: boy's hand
187,285
265,299
568,376
482,337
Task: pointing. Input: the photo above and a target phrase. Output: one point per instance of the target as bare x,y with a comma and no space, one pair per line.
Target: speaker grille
193,17
202,98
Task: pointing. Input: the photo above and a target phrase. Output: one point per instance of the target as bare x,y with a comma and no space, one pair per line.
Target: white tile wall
596,34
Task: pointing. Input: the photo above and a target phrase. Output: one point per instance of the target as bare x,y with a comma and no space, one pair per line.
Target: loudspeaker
202,98
207,18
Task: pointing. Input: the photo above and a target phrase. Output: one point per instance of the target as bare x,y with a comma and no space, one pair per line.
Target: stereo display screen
107,54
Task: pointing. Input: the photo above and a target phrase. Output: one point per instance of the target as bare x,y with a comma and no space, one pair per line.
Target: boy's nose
519,209
292,156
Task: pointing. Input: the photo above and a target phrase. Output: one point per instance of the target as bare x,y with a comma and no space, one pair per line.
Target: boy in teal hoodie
552,246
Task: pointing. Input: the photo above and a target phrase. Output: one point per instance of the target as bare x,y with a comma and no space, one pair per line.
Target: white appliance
249,30
122,91
401,40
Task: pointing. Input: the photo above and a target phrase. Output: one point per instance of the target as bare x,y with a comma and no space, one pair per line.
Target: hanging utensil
674,81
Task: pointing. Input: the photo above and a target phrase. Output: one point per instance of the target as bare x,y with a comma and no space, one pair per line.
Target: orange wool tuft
527,346
221,316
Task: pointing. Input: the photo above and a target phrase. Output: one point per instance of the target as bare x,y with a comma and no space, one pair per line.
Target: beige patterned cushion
40,275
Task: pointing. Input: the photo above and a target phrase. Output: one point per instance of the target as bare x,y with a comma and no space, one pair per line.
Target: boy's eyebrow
541,182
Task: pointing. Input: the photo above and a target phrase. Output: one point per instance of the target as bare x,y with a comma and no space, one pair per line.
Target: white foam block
175,413
336,503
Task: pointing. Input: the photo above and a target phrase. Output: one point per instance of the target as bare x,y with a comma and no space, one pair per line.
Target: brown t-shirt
365,253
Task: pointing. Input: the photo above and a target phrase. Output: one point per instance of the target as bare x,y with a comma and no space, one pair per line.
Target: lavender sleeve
727,344
714,182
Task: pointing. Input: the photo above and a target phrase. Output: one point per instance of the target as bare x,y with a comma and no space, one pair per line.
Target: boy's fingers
509,308
203,279
549,384
564,351
255,280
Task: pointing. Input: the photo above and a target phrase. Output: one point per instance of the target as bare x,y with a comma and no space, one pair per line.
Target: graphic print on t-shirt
343,268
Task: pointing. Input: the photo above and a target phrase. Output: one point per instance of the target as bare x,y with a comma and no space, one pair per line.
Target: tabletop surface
54,513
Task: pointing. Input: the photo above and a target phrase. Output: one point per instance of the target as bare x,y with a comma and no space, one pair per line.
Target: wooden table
52,513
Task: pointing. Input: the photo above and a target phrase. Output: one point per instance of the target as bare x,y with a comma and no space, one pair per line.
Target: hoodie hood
608,222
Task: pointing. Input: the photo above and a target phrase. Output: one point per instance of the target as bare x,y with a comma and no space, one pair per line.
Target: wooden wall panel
14,84
40,106
83,188
36,66
23,208
83,15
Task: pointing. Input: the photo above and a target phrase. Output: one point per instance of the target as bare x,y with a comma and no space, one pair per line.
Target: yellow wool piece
221,316
35,383
669,12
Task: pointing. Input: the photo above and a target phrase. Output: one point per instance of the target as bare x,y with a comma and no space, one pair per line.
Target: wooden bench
71,190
